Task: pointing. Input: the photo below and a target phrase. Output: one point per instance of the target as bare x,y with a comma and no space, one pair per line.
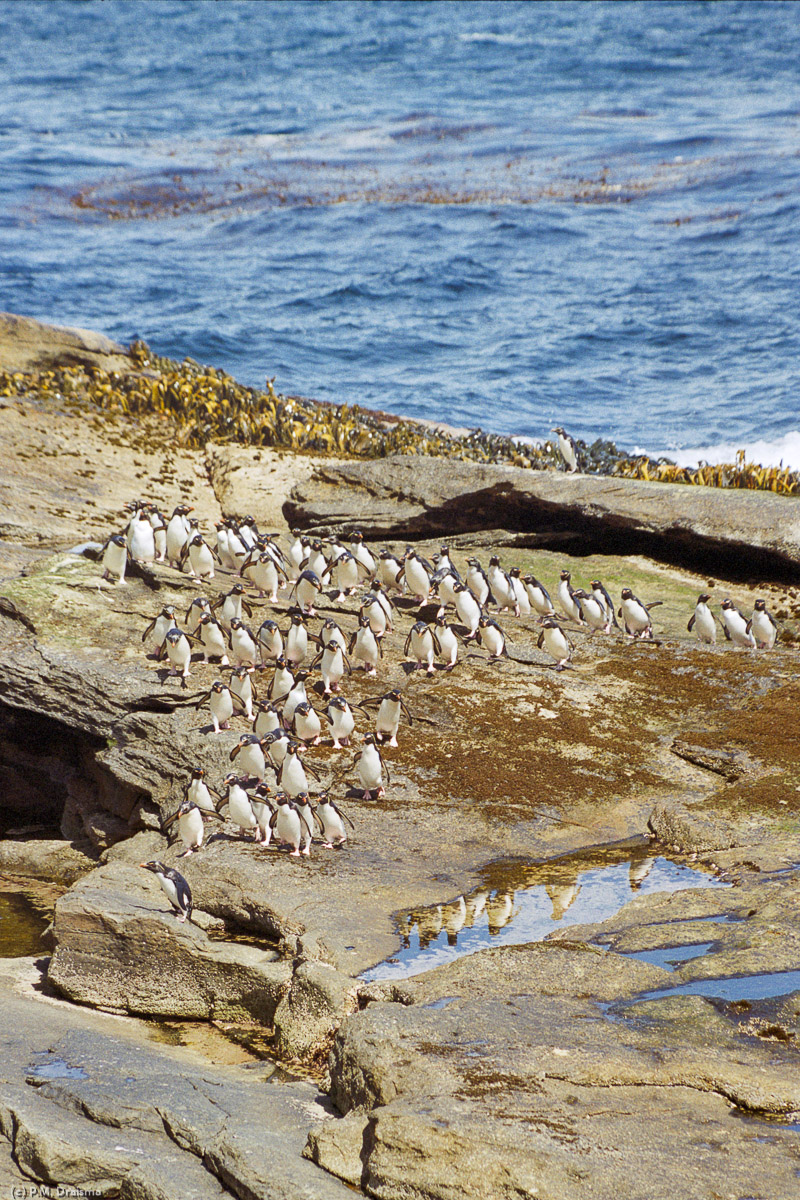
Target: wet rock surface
87,1101
526,1070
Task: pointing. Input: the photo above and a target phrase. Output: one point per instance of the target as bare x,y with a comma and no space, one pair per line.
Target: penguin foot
294,854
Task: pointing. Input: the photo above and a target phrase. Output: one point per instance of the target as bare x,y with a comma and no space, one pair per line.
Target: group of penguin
285,722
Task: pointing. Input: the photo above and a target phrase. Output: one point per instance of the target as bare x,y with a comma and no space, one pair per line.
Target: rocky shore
650,1050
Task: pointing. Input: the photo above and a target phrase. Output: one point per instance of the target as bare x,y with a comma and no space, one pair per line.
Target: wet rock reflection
521,902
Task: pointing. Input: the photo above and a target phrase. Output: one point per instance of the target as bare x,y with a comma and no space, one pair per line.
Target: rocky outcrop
512,1074
119,946
741,534
30,345
89,1101
521,1071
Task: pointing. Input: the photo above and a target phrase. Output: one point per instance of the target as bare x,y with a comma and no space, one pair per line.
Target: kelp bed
205,404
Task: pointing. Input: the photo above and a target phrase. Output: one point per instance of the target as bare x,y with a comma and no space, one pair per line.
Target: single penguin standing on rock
296,640
191,825
179,652
175,887
568,449
736,626
249,751
491,637
201,558
369,761
502,586
592,611
387,721
468,609
555,642
762,626
340,717
636,620
539,597
448,643
478,582
270,639
702,621
243,691
212,637
306,588
157,629
177,533
332,819
220,702
365,645
240,808
244,646
566,598
115,557
604,600
417,573
423,645
287,824
143,543
198,791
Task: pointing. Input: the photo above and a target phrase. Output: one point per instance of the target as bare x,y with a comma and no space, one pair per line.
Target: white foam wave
783,451
504,39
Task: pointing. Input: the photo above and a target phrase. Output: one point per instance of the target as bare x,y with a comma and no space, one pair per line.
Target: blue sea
506,215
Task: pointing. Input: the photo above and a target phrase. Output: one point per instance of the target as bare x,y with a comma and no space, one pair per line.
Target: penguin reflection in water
175,887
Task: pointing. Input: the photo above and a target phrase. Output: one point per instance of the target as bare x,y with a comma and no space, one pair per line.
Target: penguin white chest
190,827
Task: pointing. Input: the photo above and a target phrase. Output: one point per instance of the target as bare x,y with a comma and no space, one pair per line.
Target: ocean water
509,215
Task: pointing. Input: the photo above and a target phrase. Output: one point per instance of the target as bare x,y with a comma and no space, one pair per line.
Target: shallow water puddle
56,1068
733,987
524,902
670,957
23,919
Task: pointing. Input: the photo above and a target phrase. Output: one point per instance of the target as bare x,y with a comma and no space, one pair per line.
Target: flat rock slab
527,1071
88,1100
409,496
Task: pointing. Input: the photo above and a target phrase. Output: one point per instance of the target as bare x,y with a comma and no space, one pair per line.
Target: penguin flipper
342,814
149,629
727,633
690,626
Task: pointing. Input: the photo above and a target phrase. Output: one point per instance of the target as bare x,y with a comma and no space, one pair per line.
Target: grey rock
416,496
312,1009
44,859
677,827
89,1100
513,1072
119,945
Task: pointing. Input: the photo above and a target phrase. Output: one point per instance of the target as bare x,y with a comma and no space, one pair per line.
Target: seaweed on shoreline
205,404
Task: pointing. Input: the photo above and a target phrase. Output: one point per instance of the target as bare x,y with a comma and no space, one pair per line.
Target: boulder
30,345
119,945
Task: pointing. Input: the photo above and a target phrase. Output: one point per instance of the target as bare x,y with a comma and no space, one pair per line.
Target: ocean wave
783,451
